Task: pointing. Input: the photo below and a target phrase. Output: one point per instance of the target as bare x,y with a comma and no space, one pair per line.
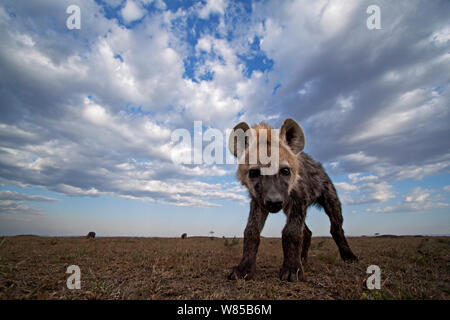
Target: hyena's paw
349,257
239,272
292,274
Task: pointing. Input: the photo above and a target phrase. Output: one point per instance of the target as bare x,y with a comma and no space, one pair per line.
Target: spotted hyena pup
296,183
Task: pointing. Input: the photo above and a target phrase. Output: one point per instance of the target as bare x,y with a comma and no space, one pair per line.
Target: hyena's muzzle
272,190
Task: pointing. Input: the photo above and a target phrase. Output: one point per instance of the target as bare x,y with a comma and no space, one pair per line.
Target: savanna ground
196,268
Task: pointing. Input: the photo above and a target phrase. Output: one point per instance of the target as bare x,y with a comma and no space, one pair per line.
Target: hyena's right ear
239,139
292,134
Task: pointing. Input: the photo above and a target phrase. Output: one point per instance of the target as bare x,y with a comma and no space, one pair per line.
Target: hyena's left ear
292,134
239,139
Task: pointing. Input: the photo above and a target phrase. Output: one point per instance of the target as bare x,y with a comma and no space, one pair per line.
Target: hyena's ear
292,134
239,139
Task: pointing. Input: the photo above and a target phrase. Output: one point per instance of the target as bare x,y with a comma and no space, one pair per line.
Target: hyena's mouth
274,207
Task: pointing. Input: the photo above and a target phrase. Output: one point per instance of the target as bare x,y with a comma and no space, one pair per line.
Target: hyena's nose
274,205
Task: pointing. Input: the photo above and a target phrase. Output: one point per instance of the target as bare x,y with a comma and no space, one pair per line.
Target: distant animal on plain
90,235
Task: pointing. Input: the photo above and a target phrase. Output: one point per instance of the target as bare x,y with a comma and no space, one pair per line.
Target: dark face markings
271,190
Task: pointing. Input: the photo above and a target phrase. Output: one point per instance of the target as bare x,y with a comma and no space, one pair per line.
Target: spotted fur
307,184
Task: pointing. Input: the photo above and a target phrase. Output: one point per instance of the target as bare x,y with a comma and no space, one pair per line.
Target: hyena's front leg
292,239
246,269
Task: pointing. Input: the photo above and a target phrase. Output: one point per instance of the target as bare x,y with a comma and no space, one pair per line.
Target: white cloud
8,207
95,113
159,4
132,11
16,196
212,7
442,36
363,109
74,191
419,200
432,167
370,189
411,112
364,190
344,186
12,203
356,177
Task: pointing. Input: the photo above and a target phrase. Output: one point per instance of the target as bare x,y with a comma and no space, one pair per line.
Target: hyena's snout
274,206
273,200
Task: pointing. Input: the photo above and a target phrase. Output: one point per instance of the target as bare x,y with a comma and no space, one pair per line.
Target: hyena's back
313,182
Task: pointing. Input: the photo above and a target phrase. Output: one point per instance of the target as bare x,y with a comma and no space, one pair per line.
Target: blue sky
87,115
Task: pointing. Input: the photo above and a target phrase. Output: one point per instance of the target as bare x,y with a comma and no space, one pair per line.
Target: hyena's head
268,162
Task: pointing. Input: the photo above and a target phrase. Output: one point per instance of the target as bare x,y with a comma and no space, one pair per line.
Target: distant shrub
233,243
184,236
318,245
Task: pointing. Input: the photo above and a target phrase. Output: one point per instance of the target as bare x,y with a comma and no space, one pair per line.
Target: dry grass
196,268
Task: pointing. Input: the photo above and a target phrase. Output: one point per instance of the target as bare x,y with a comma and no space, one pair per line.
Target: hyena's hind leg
332,206
306,243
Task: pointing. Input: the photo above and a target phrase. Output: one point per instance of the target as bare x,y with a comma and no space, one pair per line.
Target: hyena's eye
285,171
254,173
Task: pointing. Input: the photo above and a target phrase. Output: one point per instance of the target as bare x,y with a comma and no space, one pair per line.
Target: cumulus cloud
369,100
16,196
419,200
9,207
212,7
132,11
368,189
91,114
12,203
